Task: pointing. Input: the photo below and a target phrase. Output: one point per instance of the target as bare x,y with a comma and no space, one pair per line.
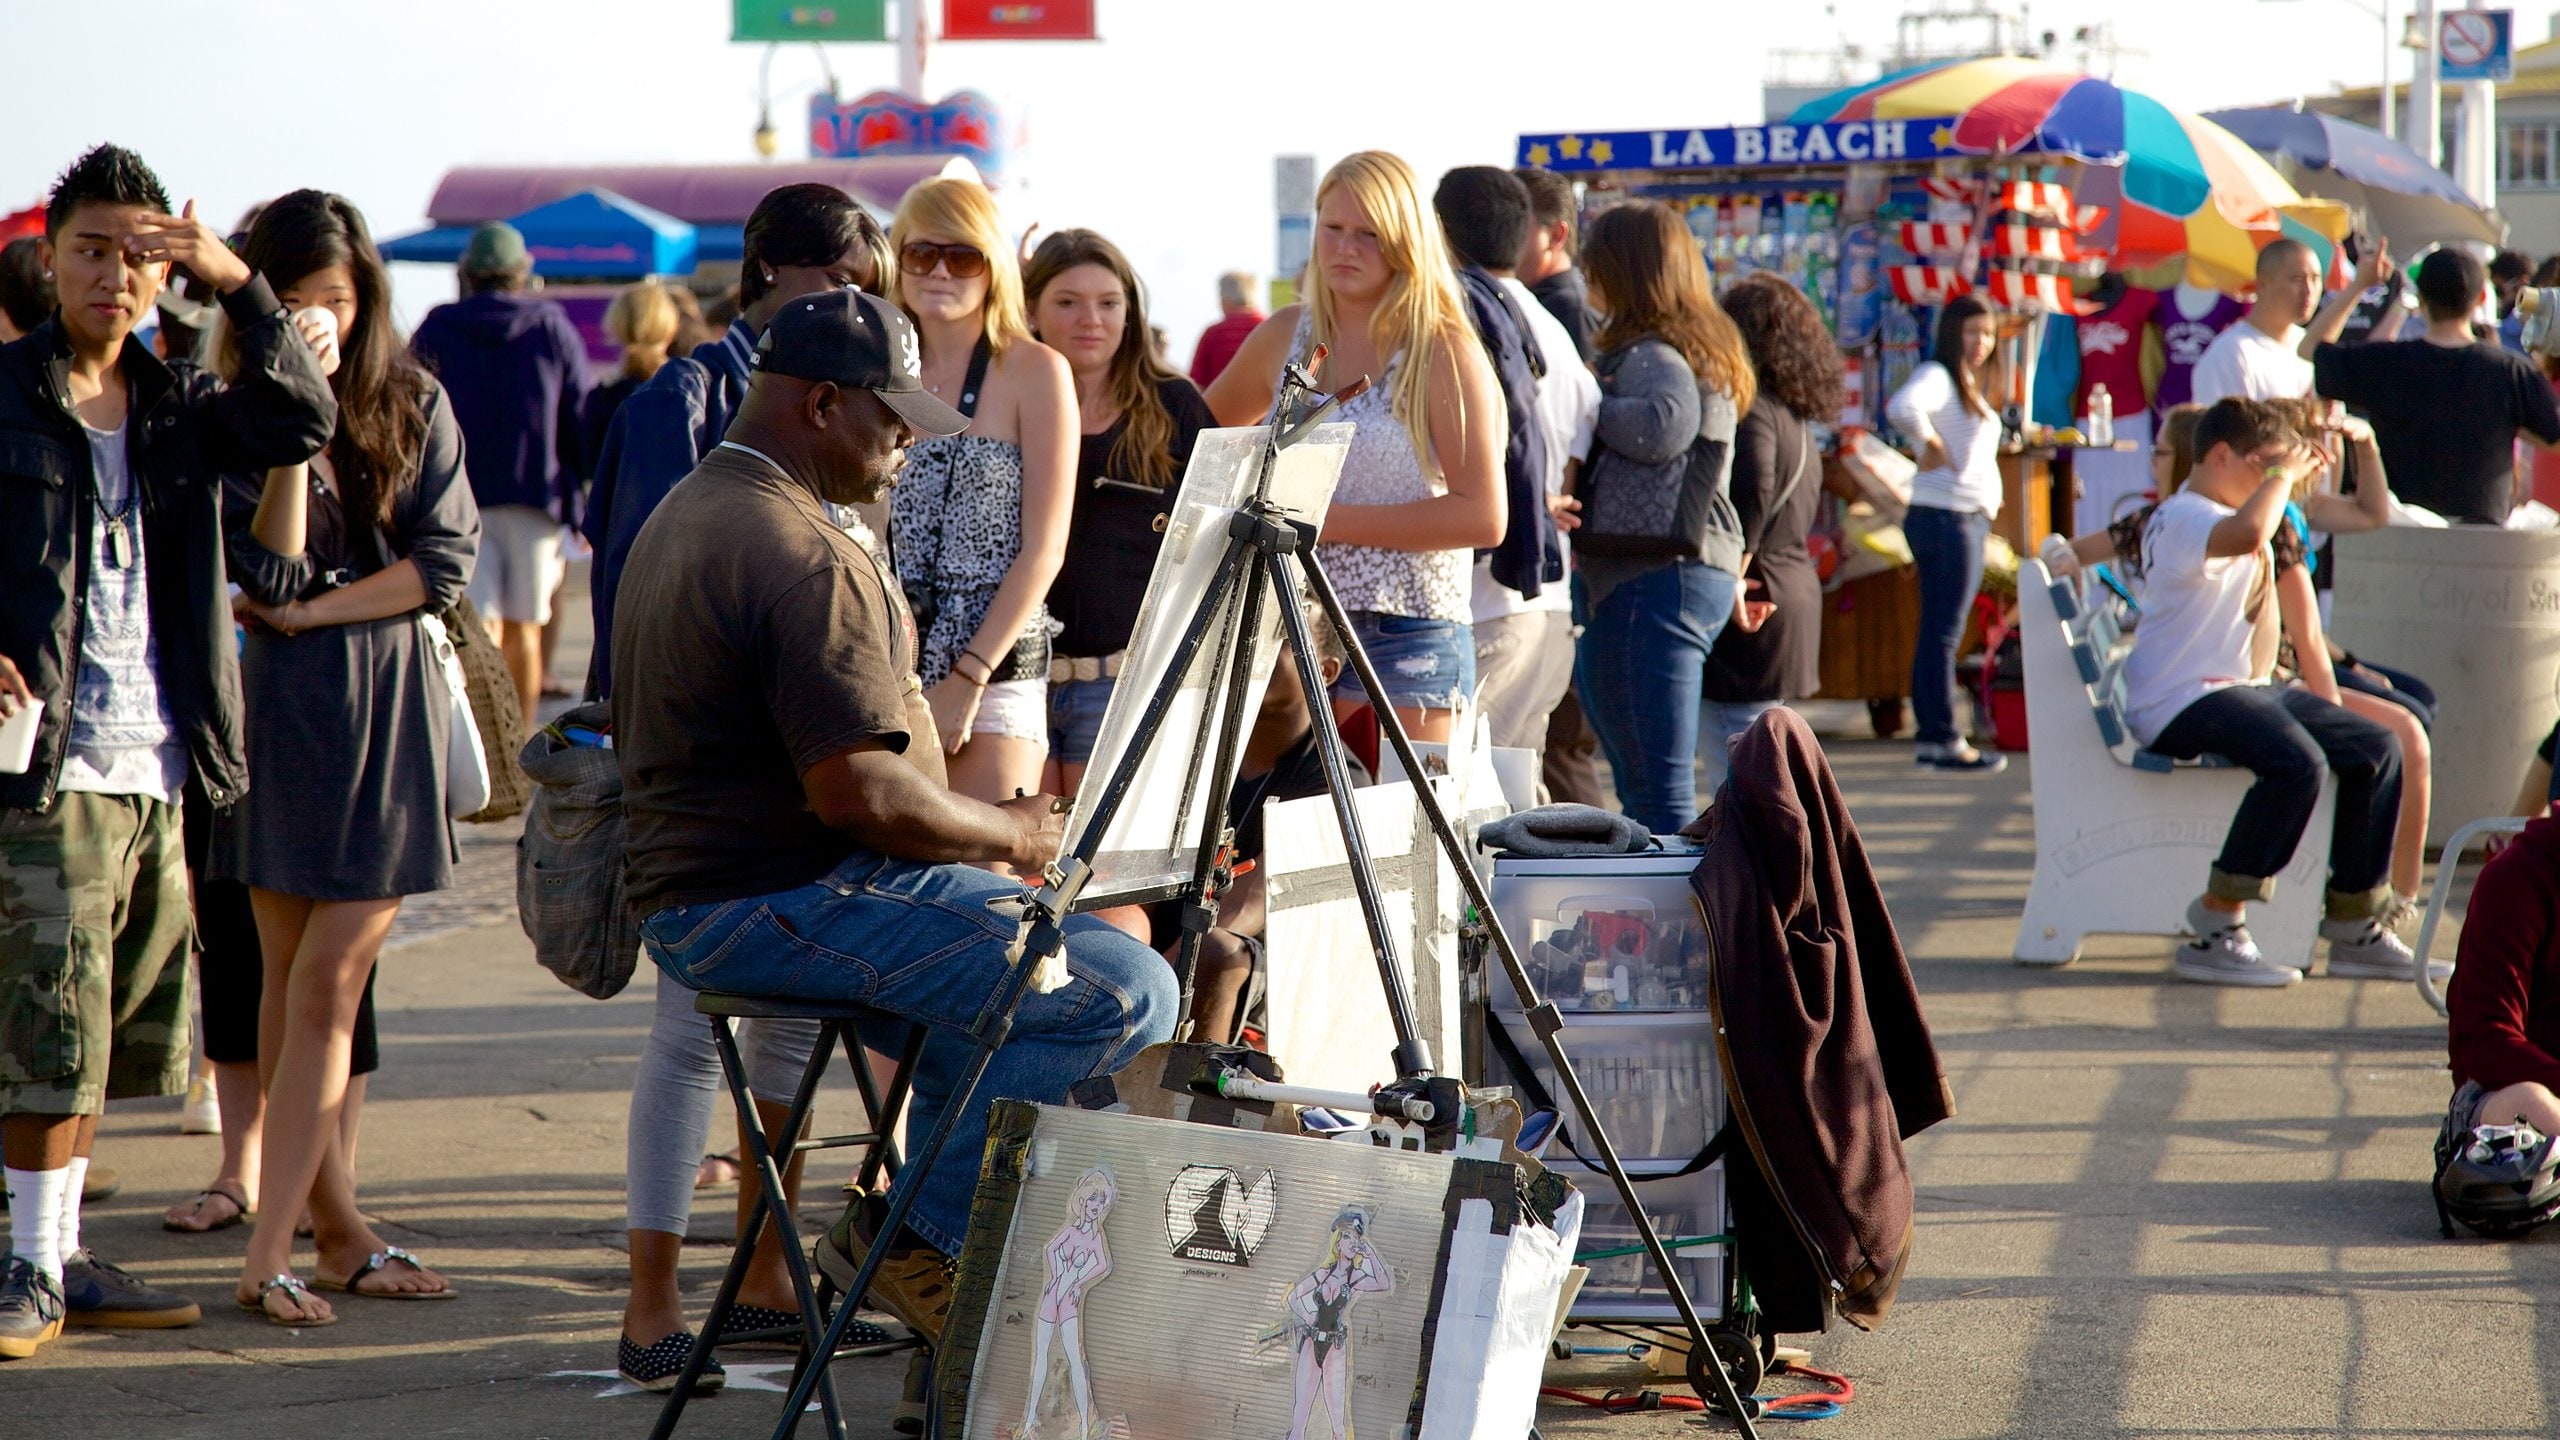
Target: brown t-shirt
752,639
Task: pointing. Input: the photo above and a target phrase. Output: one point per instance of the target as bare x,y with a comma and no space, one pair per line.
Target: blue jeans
927,943
1720,723
1639,670
1948,546
2287,738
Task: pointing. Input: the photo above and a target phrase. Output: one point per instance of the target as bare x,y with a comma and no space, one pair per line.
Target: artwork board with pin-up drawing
1130,1276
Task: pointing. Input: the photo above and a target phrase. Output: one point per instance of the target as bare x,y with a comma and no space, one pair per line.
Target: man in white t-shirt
1524,645
2190,691
2256,359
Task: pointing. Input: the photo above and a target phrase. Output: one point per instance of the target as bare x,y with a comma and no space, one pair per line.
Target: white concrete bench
2124,835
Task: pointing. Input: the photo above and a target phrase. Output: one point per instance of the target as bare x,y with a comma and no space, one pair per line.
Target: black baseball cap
860,341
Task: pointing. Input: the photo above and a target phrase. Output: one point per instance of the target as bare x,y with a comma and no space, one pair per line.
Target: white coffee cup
18,738
327,348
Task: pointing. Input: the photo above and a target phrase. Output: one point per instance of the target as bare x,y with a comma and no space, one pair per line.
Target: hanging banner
1017,20
885,122
1924,238
789,21
1831,142
1926,284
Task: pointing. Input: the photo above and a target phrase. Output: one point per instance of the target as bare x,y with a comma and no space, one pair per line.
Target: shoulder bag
1662,509
487,719
466,759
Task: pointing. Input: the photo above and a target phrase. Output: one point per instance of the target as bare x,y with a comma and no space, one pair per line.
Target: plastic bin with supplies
1688,1212
1653,1080
1604,933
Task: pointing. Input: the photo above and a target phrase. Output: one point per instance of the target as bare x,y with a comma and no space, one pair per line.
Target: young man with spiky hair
114,617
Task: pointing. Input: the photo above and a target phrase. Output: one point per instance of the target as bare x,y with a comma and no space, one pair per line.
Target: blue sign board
1829,142
2476,45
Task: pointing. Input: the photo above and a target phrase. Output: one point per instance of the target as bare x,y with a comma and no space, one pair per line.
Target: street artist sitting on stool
784,838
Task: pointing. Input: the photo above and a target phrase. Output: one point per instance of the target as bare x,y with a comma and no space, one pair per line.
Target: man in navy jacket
516,370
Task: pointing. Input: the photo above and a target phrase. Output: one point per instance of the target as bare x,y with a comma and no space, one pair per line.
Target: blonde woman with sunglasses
979,520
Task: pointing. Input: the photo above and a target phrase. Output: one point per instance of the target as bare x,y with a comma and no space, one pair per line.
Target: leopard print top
955,522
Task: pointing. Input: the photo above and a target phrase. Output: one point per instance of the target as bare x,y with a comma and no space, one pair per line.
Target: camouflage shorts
94,934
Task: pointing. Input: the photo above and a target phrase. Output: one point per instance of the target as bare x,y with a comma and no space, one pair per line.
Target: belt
1064,668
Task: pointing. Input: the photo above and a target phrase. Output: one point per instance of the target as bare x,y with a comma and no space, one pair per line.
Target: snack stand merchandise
1879,222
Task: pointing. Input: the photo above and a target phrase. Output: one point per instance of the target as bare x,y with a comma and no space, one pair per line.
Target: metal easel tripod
1268,556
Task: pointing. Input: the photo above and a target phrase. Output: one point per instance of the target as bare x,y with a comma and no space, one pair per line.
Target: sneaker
30,1308
2400,917
656,1367
914,1279
2368,950
1959,758
2223,954
202,1114
102,1296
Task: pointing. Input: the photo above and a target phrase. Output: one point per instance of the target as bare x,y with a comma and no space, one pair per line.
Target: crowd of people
867,561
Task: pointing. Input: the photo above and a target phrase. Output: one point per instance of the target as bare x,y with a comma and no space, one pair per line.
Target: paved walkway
2162,1211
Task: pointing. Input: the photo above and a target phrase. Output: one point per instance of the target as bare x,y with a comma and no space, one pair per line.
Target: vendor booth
2008,178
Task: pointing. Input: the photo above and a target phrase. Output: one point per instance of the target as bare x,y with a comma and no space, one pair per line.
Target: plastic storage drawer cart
1617,943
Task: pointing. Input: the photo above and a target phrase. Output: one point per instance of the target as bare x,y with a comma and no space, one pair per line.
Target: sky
1161,135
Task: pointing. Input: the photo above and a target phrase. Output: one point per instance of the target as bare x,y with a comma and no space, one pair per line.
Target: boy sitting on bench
2188,692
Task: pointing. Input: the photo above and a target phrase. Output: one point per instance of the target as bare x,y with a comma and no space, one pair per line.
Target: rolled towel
1557,830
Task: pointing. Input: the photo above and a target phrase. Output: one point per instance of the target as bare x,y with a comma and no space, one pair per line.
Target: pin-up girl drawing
1320,1325
1078,1257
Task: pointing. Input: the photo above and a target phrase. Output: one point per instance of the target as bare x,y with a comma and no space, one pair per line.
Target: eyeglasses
918,257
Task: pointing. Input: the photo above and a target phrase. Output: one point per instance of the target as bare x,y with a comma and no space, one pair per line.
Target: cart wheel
1886,716
1740,1352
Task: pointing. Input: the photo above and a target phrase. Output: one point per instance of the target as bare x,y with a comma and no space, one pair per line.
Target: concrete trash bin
2475,612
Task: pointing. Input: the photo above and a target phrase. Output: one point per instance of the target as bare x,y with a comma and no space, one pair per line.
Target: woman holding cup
337,560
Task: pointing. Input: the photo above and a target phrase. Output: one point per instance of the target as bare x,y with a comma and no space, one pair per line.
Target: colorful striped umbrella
2177,184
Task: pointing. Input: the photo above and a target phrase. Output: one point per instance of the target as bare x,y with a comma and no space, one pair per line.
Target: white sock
67,1231
35,1216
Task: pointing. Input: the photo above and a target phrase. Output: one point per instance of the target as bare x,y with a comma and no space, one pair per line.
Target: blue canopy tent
594,234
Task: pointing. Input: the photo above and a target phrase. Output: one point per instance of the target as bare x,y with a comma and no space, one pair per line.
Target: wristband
982,681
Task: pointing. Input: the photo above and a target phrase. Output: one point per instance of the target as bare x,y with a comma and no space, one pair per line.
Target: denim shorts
1075,718
1424,664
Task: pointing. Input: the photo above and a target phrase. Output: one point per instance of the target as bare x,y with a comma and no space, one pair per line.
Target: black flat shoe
758,1327
657,1366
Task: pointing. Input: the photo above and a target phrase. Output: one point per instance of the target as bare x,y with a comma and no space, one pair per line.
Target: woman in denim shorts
1422,486
1139,423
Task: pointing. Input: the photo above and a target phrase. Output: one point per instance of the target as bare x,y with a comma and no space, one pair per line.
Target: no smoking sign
2475,45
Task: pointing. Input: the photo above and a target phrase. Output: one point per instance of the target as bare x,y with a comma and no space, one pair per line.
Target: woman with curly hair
1773,648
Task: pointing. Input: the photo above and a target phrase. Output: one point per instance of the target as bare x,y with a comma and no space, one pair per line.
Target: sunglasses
963,261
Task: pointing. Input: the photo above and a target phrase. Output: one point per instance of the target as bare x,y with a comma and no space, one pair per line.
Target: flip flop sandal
737,1171
297,1292
234,1197
376,1261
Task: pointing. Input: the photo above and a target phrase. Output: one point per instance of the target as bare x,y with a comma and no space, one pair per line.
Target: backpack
569,860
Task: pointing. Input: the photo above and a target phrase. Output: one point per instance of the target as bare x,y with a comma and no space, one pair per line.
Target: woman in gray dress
347,729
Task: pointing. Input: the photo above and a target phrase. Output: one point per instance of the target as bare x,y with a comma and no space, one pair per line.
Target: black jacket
184,432
1529,557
